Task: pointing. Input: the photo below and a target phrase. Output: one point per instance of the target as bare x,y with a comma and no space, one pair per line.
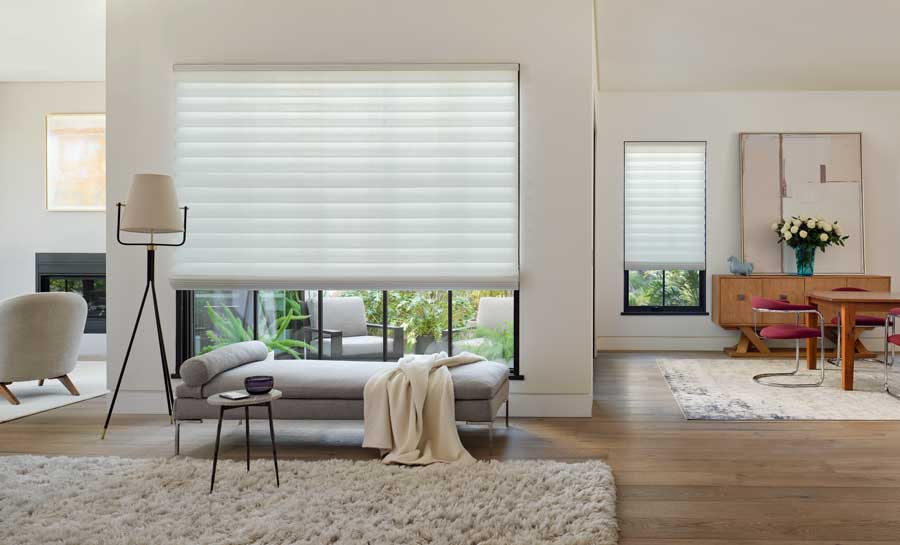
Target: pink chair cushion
865,321
894,339
762,303
895,311
788,331
849,288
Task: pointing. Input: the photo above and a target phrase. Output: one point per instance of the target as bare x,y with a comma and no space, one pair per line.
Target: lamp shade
152,205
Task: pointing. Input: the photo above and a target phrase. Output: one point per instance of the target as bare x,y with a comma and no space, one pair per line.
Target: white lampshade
152,206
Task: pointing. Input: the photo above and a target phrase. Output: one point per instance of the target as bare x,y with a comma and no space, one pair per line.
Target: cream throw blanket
410,412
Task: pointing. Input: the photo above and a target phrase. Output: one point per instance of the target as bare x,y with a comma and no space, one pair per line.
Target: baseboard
665,343
549,405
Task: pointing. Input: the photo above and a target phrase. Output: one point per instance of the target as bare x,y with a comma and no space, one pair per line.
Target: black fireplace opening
81,273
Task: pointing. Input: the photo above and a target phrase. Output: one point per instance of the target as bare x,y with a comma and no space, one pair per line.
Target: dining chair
794,331
891,339
862,320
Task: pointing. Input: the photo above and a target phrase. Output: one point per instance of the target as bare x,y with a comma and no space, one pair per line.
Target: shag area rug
723,389
105,501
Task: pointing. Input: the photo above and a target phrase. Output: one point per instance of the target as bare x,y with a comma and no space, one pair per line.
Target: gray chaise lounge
333,390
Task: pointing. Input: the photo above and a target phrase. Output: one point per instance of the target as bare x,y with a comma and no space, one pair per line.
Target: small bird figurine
739,267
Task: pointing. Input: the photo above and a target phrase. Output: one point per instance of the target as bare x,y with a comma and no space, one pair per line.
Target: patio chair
345,333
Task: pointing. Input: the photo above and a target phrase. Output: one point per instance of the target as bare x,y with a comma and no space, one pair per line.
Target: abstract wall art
76,162
788,174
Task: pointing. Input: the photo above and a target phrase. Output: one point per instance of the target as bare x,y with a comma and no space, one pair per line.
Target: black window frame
184,312
653,310
656,310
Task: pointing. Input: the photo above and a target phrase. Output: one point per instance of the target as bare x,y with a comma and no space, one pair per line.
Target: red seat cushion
895,311
863,320
894,339
788,331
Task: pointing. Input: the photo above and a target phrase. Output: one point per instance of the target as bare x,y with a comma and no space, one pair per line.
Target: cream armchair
39,338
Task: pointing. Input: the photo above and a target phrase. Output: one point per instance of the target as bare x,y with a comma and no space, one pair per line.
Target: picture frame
75,162
801,173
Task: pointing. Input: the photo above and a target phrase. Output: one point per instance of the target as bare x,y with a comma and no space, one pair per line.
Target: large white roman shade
329,177
665,206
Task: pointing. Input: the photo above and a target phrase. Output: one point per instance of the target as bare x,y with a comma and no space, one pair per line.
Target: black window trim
700,309
184,348
656,310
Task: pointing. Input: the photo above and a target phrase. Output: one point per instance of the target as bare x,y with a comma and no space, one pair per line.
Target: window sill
665,313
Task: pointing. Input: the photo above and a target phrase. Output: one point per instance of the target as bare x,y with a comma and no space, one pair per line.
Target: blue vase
806,260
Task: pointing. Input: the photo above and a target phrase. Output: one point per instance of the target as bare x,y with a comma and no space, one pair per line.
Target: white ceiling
681,45
671,45
52,40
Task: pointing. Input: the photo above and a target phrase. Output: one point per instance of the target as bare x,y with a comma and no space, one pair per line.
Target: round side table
252,401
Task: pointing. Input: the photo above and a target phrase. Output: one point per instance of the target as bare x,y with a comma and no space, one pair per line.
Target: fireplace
81,273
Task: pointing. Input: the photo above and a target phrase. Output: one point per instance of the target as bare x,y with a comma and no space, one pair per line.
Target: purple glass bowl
258,385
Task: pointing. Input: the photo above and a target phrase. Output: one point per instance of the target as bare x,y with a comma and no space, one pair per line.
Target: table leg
848,344
272,435
247,429
212,481
812,320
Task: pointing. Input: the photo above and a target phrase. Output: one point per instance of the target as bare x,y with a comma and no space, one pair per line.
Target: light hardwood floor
679,482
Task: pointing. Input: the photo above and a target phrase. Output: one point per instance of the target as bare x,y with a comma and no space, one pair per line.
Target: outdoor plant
229,329
499,342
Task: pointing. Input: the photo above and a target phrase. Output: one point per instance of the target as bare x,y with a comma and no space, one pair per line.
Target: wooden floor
704,483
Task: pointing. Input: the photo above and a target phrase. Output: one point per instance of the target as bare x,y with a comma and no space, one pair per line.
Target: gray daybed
323,389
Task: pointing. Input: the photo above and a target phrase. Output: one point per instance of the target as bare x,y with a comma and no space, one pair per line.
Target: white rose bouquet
809,232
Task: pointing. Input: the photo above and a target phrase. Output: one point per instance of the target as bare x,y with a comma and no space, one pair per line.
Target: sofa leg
507,412
6,394
41,382
177,438
67,382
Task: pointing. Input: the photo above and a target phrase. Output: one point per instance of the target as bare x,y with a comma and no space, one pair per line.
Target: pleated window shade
665,206
369,178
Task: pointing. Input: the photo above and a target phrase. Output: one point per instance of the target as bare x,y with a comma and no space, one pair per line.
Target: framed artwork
76,162
789,174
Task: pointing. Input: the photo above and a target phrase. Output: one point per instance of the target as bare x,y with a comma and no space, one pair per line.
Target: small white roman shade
665,206
331,177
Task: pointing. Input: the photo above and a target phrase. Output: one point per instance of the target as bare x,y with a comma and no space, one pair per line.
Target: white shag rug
89,377
103,501
723,389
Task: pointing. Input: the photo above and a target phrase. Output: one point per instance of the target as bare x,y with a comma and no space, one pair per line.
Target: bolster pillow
199,370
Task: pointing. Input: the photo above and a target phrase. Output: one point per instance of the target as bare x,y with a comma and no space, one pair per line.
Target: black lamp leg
137,321
162,351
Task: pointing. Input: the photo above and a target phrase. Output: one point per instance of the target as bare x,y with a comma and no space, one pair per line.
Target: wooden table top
892,297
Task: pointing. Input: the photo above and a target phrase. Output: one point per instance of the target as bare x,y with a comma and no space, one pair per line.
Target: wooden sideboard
731,304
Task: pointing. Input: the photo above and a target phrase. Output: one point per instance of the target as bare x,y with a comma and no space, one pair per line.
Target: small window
665,228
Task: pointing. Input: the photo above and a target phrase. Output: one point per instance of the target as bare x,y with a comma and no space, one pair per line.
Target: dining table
850,303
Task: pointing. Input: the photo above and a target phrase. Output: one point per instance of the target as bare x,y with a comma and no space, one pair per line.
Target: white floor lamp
152,209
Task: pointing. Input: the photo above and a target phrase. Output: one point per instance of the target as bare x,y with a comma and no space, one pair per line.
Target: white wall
551,40
26,225
718,118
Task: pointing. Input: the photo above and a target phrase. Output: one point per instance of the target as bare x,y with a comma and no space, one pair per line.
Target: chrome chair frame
758,378
890,321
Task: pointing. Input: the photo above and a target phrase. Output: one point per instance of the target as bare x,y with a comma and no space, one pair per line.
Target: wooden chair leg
7,395
67,382
41,382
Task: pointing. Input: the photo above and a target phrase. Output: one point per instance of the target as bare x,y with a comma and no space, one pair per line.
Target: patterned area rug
723,389
104,501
